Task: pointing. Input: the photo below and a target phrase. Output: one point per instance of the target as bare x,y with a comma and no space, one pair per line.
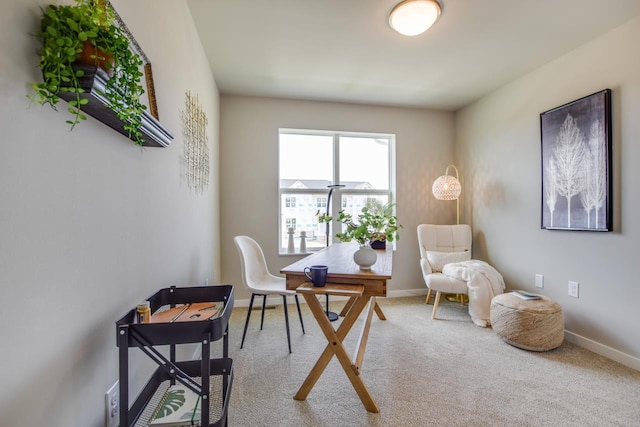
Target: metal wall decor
196,147
576,164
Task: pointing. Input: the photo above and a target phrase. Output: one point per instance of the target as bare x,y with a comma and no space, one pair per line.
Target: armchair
441,245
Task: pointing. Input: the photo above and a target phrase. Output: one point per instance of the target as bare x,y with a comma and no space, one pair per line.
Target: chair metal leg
299,312
286,321
264,303
246,323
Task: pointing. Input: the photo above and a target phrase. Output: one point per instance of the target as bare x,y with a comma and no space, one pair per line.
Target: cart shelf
210,378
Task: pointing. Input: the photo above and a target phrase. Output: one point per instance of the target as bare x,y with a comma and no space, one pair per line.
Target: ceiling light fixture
413,17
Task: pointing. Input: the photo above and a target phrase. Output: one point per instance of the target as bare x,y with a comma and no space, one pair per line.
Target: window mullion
336,200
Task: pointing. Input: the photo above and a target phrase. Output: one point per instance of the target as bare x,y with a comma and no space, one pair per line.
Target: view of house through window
310,161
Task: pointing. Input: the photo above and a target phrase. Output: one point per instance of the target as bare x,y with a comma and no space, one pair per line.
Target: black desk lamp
331,315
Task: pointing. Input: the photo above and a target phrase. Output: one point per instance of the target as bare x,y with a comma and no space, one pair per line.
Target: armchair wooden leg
428,296
435,305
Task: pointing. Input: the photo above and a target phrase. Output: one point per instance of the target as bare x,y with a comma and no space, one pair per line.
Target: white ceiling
344,50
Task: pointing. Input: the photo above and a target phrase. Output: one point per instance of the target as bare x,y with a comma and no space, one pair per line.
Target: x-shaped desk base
358,302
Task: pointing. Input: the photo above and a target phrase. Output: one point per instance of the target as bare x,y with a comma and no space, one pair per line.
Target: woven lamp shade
446,187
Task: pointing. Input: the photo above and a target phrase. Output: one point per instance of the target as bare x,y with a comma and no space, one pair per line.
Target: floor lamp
448,187
330,314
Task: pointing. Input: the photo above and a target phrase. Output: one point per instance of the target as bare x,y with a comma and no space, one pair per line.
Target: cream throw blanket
484,282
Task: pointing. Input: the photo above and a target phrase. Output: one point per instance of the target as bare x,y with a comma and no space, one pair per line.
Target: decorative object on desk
576,165
318,275
448,187
65,32
303,242
291,248
196,147
375,222
379,244
365,257
179,407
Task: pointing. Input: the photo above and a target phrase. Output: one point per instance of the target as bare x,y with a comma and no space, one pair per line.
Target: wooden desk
344,278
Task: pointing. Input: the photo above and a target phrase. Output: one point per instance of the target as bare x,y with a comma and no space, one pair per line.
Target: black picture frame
576,163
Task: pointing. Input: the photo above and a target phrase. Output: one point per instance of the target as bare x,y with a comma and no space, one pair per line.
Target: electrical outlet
573,289
112,406
539,281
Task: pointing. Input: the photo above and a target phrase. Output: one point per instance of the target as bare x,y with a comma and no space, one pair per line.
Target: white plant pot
365,257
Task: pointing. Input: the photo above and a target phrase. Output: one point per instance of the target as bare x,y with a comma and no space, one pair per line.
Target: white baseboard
603,350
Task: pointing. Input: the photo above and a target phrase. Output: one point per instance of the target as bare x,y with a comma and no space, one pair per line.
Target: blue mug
318,275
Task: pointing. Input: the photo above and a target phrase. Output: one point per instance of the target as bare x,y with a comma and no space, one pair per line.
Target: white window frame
336,207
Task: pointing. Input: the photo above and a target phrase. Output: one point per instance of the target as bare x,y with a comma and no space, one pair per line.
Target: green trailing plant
66,31
375,222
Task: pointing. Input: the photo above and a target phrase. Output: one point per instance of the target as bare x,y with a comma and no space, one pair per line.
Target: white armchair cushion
438,260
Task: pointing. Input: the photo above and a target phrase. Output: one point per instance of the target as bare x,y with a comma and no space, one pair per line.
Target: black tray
181,332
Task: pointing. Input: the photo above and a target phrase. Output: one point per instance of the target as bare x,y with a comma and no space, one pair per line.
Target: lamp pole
330,314
331,188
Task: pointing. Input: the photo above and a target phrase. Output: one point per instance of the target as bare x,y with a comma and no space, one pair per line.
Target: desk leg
347,306
350,302
336,347
379,312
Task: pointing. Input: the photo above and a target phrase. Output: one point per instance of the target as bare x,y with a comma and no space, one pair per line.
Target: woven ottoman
536,325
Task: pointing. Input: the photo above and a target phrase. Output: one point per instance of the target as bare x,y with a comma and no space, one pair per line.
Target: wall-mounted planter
93,82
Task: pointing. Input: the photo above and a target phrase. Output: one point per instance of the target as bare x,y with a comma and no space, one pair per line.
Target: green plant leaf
64,29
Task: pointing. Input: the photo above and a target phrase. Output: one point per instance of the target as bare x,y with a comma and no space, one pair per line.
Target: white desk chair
257,279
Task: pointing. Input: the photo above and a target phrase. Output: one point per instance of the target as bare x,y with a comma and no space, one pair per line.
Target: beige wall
249,173
90,223
498,146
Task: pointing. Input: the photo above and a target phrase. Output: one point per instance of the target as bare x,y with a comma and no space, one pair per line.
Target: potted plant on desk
375,226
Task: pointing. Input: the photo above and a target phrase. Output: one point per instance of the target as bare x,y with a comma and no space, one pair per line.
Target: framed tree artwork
576,164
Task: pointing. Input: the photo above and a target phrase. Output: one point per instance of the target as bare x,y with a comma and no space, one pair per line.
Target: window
321,202
290,202
290,223
310,161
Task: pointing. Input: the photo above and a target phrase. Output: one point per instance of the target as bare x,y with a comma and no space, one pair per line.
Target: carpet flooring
423,372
